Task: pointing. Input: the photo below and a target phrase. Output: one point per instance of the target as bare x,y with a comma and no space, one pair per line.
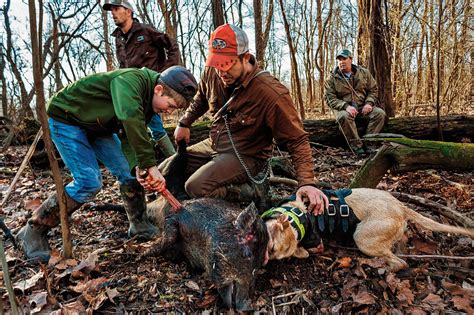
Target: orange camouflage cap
226,43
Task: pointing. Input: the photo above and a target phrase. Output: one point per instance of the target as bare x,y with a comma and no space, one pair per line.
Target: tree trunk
404,154
372,50
41,112
294,63
170,25
109,61
10,55
262,32
326,131
3,82
217,13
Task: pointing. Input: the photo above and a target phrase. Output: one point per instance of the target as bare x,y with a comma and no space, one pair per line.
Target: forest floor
104,276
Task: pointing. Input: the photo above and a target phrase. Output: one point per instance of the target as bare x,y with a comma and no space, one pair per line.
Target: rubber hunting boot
133,196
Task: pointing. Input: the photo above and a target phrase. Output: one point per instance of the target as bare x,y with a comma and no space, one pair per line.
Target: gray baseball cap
109,3
346,53
181,80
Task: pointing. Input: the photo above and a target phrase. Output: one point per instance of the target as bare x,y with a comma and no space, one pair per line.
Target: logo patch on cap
219,44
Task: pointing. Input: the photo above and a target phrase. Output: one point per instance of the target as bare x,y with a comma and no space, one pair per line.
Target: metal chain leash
239,157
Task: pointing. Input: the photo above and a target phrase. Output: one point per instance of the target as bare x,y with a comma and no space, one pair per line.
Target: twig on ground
6,277
454,215
28,155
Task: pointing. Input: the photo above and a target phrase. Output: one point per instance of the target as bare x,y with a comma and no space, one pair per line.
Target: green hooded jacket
339,94
119,102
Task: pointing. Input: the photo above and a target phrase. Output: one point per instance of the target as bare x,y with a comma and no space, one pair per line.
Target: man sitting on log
352,91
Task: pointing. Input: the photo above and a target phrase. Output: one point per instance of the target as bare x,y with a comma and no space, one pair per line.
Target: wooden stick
454,215
438,256
6,277
26,159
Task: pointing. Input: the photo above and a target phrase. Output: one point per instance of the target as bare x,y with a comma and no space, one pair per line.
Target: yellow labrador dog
382,219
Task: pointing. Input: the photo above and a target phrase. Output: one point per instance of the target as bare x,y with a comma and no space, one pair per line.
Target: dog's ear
301,253
283,220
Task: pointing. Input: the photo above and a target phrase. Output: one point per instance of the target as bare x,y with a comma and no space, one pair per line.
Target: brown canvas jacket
338,94
261,110
145,47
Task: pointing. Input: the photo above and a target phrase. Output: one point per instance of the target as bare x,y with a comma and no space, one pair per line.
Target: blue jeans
156,127
80,152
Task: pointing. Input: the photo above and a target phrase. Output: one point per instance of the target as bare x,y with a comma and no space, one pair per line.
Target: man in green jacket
103,117
141,45
352,92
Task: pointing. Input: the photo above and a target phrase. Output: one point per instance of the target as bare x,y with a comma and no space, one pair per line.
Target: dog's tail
432,225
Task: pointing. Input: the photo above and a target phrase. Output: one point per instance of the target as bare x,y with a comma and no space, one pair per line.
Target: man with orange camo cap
250,108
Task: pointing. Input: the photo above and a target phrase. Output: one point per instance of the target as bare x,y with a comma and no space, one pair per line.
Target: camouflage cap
123,3
346,53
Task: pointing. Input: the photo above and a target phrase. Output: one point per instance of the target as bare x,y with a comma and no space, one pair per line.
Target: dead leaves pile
105,276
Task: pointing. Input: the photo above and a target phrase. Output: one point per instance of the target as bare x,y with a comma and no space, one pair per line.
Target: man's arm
330,94
200,104
172,49
287,128
126,91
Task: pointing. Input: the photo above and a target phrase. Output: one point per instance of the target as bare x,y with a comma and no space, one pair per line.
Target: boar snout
236,296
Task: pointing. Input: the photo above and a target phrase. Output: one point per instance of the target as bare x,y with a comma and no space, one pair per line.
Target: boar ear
246,218
301,253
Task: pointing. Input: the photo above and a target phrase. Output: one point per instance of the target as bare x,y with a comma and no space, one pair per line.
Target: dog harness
296,217
338,221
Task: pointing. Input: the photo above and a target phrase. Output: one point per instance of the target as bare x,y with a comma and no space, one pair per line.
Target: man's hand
352,111
367,109
154,181
317,199
181,133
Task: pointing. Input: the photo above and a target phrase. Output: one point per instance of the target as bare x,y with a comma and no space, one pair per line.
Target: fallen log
326,132
403,154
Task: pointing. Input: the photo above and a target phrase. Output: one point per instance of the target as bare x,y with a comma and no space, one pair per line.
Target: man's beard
237,81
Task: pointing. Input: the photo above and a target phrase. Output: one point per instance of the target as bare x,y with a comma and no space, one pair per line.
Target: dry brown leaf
363,297
99,300
405,294
454,289
91,285
192,285
276,283
433,302
32,204
55,257
208,300
112,293
372,262
344,262
401,289
74,308
24,285
462,304
424,246
348,288
37,301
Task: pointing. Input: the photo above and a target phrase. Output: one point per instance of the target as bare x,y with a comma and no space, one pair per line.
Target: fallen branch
437,256
29,154
454,215
6,278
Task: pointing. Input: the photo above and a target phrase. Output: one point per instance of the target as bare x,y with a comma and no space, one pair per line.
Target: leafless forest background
420,52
